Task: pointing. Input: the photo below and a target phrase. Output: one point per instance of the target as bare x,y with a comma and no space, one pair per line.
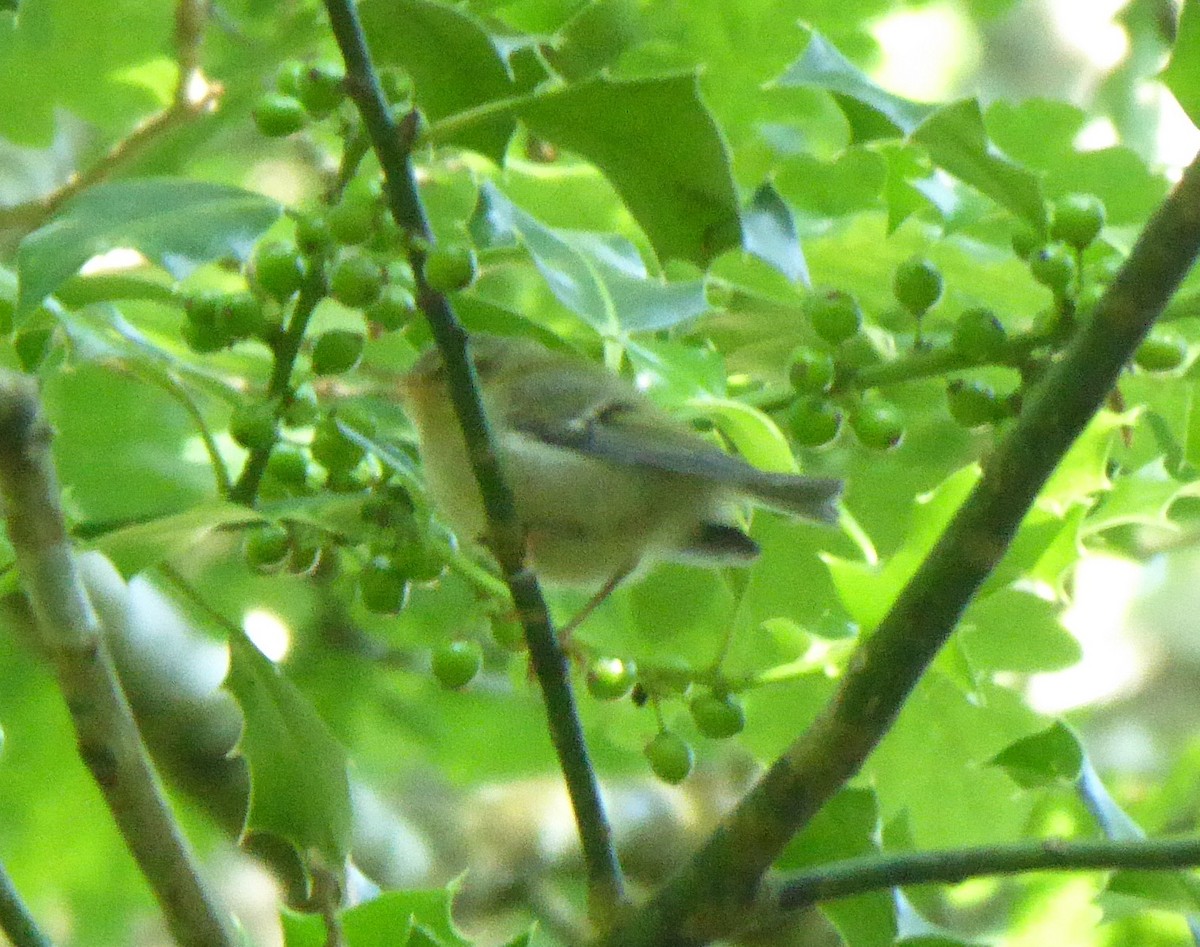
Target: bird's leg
565,632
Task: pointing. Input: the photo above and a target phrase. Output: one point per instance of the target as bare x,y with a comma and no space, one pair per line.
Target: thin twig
711,896
856,876
393,144
107,735
16,922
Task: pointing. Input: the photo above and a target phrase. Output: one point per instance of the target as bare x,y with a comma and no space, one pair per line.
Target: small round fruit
254,426
337,351
978,334
508,633
611,678
1161,352
671,757
288,465
241,317
1054,267
356,281
277,115
333,450
302,408
449,267
313,235
202,308
320,89
287,76
31,347
394,309
877,424
972,403
813,421
1077,219
718,715
917,285
1026,242
383,587
835,316
266,549
456,663
277,269
352,221
396,84
204,339
811,372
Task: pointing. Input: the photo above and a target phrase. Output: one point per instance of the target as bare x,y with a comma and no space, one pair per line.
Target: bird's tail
814,498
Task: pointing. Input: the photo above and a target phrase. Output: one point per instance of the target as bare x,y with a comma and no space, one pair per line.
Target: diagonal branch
392,143
16,922
108,738
711,895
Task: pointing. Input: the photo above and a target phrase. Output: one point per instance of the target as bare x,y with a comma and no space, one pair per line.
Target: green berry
422,563
449,267
241,316
320,89
204,339
396,83
611,678
1161,352
383,587
254,426
266,548
877,424
973,404
718,715
1026,242
302,408
202,308
337,351
333,450
32,346
276,269
978,334
811,372
1077,219
394,309
277,115
813,422
352,221
456,663
508,634
288,465
671,757
835,316
287,76
313,236
356,281
1054,267
917,285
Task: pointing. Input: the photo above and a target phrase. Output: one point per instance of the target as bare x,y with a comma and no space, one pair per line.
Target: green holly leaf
176,223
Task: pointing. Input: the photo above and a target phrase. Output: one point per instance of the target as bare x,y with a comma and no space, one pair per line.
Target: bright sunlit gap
925,50
268,632
1112,663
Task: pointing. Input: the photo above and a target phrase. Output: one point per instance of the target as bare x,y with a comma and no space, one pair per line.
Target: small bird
605,481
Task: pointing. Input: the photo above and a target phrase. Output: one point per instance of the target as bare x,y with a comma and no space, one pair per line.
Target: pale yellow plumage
604,480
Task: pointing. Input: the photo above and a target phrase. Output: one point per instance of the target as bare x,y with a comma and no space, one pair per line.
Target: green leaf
455,65
769,232
1014,630
178,224
1141,497
601,279
299,788
852,181
135,548
1044,759
1182,75
1083,472
385,921
661,149
822,66
847,826
754,435
957,142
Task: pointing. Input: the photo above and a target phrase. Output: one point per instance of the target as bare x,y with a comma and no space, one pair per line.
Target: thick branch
392,143
710,896
880,872
109,742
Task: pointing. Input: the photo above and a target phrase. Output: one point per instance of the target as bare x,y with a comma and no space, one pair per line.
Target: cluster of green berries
306,92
